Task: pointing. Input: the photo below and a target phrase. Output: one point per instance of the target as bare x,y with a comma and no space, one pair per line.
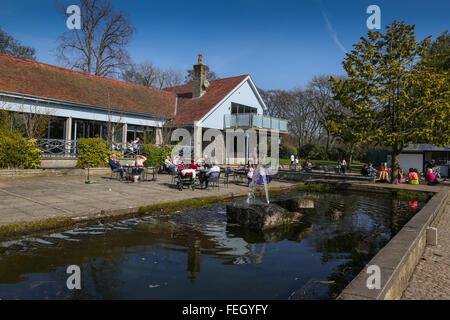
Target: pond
195,254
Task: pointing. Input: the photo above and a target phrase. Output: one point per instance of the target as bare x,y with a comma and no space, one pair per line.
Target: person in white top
292,159
213,172
343,165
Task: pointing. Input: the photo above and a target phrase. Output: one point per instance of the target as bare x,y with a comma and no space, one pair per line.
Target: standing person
292,159
250,173
343,165
296,161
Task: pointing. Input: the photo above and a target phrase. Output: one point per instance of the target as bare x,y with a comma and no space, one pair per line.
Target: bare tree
9,45
99,47
322,97
31,122
148,75
295,106
210,75
170,78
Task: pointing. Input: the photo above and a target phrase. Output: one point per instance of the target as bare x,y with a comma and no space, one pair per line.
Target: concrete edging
398,258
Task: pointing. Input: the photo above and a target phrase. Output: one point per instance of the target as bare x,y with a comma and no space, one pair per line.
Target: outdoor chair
115,175
213,181
227,174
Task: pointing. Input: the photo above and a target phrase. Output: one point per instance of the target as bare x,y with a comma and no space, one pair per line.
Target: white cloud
331,31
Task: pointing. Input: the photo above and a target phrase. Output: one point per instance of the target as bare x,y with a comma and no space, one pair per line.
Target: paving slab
431,277
31,198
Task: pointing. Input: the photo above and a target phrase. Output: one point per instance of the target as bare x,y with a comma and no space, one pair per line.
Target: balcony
254,121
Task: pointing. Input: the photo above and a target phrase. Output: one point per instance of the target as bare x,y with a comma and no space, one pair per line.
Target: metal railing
128,150
58,147
69,148
250,120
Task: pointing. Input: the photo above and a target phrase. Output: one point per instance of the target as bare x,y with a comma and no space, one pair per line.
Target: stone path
431,278
30,199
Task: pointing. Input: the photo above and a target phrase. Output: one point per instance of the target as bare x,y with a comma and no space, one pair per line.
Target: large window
237,108
145,134
56,128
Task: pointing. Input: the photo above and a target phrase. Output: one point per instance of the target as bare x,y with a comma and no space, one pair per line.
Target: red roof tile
38,79
190,110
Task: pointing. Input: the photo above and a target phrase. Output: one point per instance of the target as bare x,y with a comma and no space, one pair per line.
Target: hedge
17,152
155,155
93,150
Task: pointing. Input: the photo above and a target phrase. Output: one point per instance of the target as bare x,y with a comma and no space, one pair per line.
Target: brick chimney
199,83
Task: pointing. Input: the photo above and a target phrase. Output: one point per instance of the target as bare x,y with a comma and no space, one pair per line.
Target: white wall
74,112
411,160
243,94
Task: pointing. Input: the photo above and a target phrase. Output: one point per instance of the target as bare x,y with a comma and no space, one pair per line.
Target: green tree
438,55
394,97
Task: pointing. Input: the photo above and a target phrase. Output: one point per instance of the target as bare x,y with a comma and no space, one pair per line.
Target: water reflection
195,255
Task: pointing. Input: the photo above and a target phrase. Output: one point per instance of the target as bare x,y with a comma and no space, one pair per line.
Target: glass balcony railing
254,121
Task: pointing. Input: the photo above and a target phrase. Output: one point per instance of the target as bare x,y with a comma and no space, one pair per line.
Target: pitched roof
42,80
190,110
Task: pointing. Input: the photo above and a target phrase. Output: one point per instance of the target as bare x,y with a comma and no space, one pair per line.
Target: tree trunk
350,158
327,148
394,164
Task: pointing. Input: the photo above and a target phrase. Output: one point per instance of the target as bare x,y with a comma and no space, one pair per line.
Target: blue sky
281,43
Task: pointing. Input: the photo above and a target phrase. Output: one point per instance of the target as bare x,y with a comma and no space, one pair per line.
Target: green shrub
155,155
285,152
93,150
17,152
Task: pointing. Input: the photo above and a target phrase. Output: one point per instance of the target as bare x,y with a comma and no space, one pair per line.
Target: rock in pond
259,215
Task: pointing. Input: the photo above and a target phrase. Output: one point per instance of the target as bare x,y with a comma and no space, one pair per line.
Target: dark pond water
195,255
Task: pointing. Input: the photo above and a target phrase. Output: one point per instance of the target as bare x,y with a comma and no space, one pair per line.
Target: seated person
180,166
139,165
115,165
365,170
307,165
413,177
210,174
193,165
206,162
371,170
169,165
383,175
430,177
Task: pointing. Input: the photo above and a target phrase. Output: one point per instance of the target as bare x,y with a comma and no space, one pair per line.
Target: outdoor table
154,173
129,172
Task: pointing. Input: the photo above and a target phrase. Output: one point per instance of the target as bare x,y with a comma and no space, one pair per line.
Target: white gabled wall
245,93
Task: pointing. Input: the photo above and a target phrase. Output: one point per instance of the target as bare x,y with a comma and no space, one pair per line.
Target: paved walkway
30,199
431,278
